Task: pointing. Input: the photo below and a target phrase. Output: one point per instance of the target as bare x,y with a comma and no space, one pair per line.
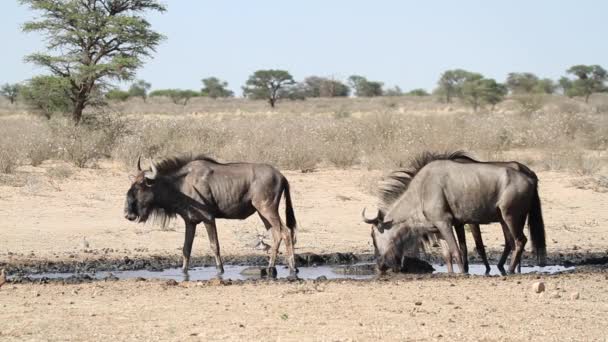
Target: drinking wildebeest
442,193
200,189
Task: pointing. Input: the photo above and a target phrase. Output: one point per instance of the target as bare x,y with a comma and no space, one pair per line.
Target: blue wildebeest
200,189
439,193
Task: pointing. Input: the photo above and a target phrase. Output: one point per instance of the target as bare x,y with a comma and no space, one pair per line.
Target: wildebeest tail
289,214
537,229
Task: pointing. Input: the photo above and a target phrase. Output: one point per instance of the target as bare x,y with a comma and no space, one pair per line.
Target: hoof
220,270
271,272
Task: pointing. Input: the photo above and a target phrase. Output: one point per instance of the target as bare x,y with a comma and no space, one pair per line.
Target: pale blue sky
404,43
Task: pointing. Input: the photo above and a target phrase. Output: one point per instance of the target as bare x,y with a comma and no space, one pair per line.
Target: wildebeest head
392,240
140,197
387,255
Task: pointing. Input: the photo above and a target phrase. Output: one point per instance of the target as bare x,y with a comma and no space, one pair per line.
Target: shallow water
356,271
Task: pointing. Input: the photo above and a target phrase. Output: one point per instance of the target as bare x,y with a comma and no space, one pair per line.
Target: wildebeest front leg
447,233
462,241
215,245
481,250
190,231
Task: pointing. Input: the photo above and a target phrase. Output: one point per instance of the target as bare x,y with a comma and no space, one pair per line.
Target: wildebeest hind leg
481,250
215,245
189,239
276,241
516,227
508,247
462,241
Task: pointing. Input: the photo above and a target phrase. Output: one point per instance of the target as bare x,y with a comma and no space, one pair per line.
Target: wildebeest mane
166,167
397,182
172,164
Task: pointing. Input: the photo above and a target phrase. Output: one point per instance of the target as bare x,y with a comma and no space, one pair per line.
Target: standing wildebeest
200,189
442,193
462,157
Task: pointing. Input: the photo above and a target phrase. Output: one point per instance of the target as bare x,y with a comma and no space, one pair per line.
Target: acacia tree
213,87
140,89
591,79
265,84
10,91
477,90
365,88
325,87
90,42
451,82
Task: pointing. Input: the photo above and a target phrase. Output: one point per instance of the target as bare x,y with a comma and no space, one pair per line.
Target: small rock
418,303
555,295
575,296
538,287
320,278
171,282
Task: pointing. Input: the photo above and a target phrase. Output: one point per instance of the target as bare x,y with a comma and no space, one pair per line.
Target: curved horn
370,221
139,163
154,171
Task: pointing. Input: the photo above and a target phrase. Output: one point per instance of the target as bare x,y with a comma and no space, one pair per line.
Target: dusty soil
431,308
48,219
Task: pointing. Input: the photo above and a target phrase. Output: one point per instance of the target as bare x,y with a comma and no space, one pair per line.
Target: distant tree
325,87
566,86
451,82
590,79
48,95
522,82
265,84
93,41
297,91
177,96
213,87
118,95
546,86
477,90
365,88
10,91
494,92
140,89
418,92
395,91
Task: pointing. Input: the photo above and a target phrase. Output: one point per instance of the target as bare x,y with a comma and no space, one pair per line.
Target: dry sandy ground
441,309
48,218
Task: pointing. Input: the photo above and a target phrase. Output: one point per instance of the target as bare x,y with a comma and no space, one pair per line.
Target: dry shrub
8,158
375,138
59,172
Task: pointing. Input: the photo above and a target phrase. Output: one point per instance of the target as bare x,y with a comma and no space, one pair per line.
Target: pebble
555,295
575,296
418,303
171,282
538,287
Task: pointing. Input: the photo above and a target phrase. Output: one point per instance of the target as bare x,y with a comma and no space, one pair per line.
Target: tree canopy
590,79
265,84
90,42
10,91
215,88
139,89
365,88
